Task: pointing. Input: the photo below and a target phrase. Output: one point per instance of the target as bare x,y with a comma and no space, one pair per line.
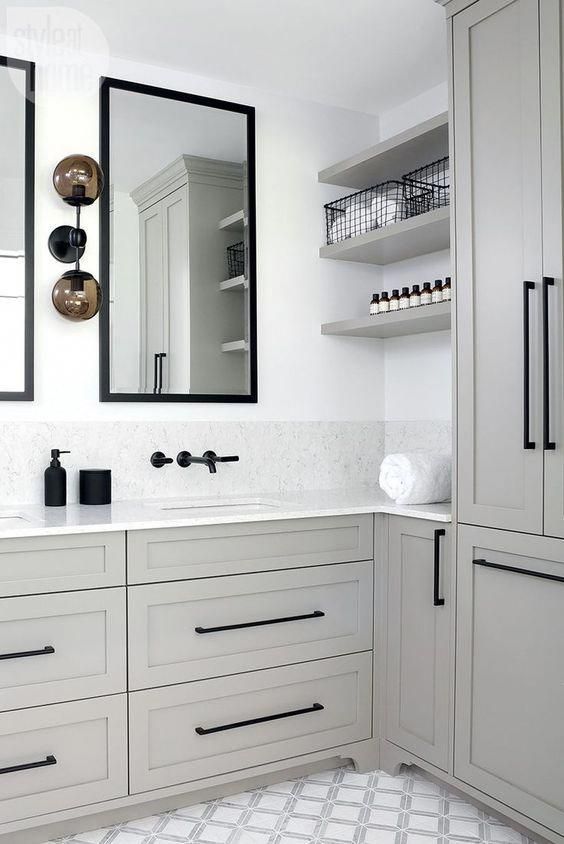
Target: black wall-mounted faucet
209,459
158,459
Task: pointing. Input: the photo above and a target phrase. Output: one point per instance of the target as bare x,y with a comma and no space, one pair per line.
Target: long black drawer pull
49,760
317,707
437,600
529,572
547,444
43,652
316,614
527,442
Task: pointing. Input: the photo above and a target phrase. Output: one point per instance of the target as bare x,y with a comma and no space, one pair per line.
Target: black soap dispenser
56,481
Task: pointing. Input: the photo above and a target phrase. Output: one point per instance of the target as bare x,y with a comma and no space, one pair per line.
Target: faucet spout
185,459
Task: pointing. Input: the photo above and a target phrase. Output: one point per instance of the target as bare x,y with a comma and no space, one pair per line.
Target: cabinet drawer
509,736
70,754
61,563
186,553
225,625
183,733
67,647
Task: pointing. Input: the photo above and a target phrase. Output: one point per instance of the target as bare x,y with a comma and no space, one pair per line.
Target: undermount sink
12,520
219,504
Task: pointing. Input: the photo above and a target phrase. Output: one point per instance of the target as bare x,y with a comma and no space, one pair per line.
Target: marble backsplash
274,456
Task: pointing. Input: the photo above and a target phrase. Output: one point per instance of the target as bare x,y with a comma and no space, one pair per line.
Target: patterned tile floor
335,807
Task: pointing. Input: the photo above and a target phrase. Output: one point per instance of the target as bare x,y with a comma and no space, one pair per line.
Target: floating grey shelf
393,157
235,346
419,235
238,283
234,223
421,320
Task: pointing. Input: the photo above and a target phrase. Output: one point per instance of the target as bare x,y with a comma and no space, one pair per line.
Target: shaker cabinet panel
194,552
510,670
497,134
419,639
61,563
193,630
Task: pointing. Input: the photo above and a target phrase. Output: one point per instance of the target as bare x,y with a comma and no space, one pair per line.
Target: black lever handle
158,459
211,455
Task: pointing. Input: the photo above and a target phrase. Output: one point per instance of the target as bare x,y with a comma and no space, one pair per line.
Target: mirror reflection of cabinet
182,257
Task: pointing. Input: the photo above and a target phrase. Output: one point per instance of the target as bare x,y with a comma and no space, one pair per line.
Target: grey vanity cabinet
419,633
509,736
497,131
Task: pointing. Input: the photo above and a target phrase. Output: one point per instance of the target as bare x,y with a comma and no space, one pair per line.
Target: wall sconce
79,180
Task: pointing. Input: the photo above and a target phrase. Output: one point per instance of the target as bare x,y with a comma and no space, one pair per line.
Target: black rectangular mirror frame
29,225
106,85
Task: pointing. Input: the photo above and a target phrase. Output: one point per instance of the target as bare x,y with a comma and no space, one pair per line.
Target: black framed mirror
177,247
17,156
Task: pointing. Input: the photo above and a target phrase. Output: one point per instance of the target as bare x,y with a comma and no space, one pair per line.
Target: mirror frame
29,228
106,86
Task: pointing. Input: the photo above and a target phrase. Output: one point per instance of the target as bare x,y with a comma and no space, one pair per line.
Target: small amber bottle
374,304
426,295
415,297
447,293
384,303
404,298
437,292
394,300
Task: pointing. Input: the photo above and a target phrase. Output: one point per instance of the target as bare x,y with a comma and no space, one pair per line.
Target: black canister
95,486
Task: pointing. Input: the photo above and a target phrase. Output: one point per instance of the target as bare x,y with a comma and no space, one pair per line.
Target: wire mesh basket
236,260
374,208
435,177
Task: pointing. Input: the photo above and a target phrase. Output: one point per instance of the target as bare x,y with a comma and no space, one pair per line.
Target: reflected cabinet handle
158,372
201,731
29,766
547,444
527,442
316,614
48,649
529,572
437,600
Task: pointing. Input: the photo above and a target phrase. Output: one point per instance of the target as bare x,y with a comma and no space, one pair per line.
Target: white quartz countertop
22,521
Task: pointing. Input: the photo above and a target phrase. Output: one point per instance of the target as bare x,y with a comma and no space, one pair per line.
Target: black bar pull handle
548,445
437,600
156,374
48,649
201,731
29,766
160,385
516,570
316,614
527,442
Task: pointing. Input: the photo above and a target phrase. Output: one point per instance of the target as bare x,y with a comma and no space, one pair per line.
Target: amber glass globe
77,295
78,179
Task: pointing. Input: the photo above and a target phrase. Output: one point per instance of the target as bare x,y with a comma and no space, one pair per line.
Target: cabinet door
552,40
419,635
154,294
510,670
498,248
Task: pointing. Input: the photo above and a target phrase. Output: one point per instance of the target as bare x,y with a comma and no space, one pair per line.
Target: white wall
301,374
418,369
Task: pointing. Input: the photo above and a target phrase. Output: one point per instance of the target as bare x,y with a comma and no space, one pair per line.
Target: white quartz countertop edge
22,521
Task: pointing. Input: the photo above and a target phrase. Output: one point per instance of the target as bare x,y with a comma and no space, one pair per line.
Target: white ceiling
368,55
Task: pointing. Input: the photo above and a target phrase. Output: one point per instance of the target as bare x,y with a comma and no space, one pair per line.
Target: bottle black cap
438,281
55,454
374,296
427,285
384,294
395,292
404,291
447,279
415,288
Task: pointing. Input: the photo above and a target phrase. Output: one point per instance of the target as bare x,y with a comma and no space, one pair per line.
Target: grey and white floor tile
334,807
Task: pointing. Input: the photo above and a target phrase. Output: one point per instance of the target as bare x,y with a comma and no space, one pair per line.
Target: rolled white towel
416,477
